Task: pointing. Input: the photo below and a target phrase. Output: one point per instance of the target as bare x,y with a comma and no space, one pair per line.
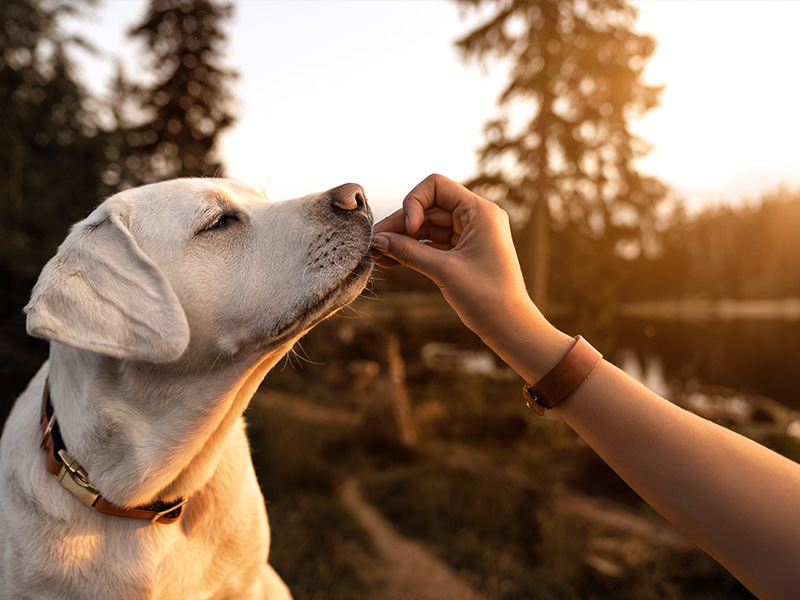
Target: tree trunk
536,233
387,418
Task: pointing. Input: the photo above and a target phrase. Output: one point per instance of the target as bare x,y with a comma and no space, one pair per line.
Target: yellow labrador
164,309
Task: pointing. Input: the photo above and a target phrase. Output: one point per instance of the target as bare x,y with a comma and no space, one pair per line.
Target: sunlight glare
726,119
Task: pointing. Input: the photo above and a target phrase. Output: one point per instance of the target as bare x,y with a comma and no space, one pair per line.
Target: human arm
738,500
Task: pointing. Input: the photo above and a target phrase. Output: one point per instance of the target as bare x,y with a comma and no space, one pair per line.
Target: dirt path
620,537
404,569
408,569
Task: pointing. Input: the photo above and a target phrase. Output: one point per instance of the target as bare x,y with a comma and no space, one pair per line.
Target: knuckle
497,212
502,215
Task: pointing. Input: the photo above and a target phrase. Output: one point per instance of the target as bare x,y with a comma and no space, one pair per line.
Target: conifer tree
51,151
173,125
562,152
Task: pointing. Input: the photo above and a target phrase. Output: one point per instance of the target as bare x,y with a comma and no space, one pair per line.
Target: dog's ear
102,293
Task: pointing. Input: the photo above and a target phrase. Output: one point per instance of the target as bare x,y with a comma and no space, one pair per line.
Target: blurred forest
596,236
604,233
63,150
561,155
724,252
577,73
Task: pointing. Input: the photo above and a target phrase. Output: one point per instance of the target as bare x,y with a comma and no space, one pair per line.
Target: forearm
738,500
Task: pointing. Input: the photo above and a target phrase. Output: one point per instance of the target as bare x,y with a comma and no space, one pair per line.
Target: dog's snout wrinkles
349,196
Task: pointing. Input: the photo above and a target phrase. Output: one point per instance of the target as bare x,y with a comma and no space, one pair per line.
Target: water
760,357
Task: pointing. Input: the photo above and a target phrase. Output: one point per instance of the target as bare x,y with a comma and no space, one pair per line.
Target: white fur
161,330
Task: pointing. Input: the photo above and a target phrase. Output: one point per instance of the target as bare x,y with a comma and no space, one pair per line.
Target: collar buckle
75,479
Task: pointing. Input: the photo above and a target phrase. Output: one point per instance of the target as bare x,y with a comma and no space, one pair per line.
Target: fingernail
381,242
407,222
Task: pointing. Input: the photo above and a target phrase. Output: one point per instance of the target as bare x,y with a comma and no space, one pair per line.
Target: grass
317,545
506,539
489,536
511,544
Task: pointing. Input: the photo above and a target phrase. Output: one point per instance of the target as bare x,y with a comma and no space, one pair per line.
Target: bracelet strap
563,379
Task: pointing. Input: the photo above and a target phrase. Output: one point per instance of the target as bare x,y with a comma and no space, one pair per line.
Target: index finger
434,190
395,222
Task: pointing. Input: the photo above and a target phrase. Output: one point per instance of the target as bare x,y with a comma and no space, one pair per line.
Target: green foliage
58,161
170,127
51,150
726,252
562,155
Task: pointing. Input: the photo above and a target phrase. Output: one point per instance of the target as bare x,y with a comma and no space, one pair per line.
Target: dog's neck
147,432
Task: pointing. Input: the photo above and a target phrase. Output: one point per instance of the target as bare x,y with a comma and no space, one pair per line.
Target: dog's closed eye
221,222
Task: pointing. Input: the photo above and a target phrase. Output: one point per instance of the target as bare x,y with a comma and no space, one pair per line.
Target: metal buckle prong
166,511
75,479
532,401
48,431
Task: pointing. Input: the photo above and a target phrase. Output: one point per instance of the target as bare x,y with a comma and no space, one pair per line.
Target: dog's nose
349,196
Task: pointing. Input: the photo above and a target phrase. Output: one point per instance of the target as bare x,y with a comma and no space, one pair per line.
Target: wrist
565,377
527,342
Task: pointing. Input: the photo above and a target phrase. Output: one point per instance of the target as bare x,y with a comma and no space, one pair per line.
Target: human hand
463,243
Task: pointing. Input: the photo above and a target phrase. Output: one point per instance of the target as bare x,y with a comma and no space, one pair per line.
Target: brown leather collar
73,477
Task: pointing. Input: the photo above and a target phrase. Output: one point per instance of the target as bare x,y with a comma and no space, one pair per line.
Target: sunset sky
375,92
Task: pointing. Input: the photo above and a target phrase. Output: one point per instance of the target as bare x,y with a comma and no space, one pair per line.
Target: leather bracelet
563,379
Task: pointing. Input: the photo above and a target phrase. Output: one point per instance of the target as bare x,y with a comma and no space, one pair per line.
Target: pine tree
174,122
51,151
562,152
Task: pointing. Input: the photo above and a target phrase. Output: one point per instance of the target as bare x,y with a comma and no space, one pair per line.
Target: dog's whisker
211,367
287,361
235,367
304,356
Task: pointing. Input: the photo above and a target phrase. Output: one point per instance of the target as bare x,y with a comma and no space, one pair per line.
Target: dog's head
203,264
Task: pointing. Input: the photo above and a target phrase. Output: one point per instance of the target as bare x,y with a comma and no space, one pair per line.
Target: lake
760,357
736,346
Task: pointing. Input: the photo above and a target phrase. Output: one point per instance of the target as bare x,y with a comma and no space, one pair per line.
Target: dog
125,471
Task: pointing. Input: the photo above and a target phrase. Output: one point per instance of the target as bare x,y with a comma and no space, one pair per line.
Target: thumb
409,252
